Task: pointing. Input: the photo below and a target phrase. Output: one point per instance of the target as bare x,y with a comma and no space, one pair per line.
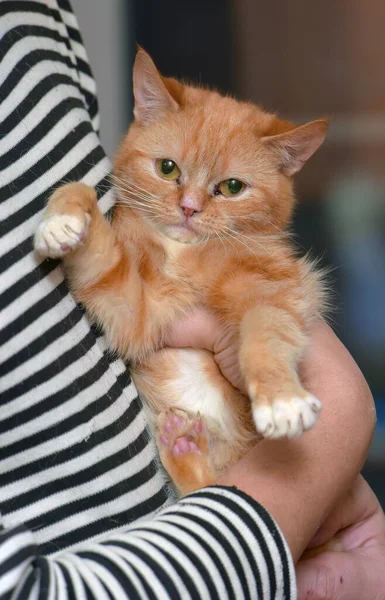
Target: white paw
59,234
287,417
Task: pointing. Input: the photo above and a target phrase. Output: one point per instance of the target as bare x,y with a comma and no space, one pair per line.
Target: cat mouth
184,227
183,232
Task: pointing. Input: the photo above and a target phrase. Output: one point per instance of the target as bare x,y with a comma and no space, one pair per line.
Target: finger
199,329
228,363
336,576
355,508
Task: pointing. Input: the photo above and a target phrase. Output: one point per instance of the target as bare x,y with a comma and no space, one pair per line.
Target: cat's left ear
293,148
152,99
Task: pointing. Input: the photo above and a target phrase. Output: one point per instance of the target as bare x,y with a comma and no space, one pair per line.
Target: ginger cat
204,198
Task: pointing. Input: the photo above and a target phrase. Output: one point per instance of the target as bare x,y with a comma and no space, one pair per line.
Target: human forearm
199,548
299,481
352,552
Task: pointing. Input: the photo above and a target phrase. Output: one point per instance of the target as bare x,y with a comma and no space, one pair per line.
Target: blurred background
303,60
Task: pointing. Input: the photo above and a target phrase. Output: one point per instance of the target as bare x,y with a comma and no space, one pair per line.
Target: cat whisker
220,237
226,237
281,232
127,190
130,199
267,237
131,203
256,219
121,183
208,237
235,236
246,237
254,239
134,186
138,207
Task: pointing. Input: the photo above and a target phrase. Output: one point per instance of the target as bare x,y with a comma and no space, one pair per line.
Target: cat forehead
221,119
218,133
209,136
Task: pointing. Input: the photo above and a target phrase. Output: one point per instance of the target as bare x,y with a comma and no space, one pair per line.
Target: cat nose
192,202
188,212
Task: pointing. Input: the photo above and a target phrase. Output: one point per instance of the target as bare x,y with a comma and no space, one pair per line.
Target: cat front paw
66,220
286,416
58,235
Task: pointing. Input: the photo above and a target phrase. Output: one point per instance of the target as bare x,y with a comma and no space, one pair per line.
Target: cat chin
181,234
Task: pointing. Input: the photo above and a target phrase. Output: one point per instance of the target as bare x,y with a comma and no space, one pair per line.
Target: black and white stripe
77,469
215,543
70,419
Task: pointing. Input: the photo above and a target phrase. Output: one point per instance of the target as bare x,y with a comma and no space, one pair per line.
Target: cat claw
287,416
59,234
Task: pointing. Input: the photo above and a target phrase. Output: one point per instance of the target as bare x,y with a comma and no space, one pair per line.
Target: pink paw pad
180,433
183,445
173,422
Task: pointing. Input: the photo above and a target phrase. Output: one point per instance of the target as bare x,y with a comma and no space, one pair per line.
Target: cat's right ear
152,98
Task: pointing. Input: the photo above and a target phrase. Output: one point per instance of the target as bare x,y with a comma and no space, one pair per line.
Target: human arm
351,567
299,481
202,547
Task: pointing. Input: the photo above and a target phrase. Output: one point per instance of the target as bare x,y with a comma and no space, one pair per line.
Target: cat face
196,165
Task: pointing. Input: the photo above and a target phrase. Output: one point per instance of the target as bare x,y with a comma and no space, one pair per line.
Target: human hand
313,472
201,329
352,567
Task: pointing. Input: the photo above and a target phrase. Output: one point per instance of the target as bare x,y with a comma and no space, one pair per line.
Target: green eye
231,187
167,169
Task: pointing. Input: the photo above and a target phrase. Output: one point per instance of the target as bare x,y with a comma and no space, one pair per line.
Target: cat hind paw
287,416
180,433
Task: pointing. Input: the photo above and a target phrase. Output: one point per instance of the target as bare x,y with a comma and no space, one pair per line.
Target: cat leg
74,229
97,266
189,382
272,342
184,450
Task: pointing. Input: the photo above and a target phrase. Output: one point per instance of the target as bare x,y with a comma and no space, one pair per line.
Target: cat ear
151,95
293,148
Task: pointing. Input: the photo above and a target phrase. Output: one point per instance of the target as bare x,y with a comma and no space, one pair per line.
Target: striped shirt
84,511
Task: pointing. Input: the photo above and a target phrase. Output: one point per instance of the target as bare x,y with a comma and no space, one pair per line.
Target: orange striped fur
173,245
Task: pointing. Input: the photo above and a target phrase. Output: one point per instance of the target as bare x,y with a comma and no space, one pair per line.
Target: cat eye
231,187
167,169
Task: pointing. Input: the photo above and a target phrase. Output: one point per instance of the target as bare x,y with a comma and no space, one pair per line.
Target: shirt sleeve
215,543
